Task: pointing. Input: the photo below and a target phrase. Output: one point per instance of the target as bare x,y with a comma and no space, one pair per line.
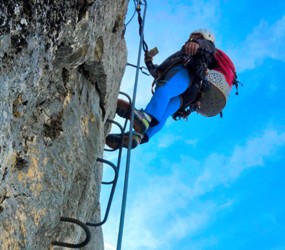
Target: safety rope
132,17
142,45
141,21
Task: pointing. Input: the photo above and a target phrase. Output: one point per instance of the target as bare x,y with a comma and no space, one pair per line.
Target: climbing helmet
208,35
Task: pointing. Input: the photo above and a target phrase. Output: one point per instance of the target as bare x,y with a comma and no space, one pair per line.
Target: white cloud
220,169
161,212
194,221
168,139
265,41
109,246
192,142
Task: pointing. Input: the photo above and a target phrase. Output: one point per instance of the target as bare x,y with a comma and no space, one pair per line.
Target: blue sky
210,183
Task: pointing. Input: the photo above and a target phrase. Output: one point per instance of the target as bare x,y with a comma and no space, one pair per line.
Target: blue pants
166,101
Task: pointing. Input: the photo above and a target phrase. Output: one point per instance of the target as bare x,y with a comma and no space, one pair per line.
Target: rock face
61,64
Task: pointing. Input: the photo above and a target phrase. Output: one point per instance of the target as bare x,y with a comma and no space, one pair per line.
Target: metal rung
116,169
114,183
83,226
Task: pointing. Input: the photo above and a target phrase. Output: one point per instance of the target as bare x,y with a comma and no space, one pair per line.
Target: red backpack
213,100
226,67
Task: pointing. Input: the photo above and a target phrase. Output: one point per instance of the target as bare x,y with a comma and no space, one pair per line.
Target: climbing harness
215,88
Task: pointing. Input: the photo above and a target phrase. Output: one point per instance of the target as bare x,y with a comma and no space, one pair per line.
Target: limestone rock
61,64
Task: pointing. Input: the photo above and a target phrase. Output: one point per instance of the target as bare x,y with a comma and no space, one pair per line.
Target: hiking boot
114,140
124,108
141,119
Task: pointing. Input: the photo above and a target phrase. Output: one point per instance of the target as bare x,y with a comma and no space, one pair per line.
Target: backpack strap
236,83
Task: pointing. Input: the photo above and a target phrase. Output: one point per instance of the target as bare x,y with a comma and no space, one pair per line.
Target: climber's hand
191,48
148,58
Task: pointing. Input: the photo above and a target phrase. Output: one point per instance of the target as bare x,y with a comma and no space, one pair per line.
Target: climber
184,83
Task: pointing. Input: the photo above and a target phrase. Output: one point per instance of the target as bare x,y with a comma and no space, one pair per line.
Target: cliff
61,64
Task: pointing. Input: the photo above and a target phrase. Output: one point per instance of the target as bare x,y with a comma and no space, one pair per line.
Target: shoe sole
124,110
114,141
